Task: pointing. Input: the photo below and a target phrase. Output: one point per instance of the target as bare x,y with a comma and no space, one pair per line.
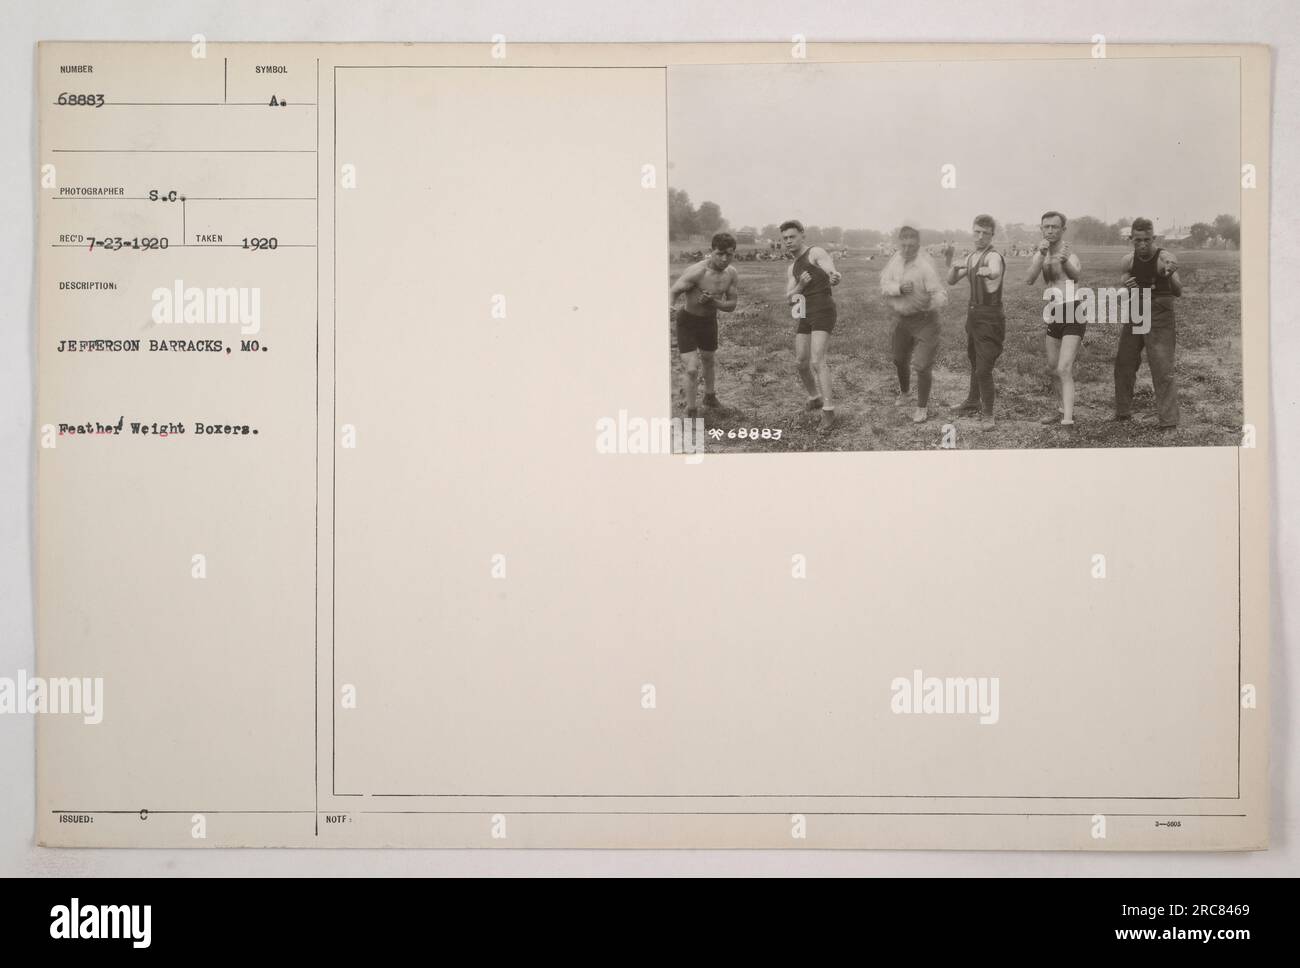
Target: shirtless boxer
1061,270
709,287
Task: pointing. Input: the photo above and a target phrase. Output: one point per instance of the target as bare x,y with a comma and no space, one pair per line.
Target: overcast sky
862,145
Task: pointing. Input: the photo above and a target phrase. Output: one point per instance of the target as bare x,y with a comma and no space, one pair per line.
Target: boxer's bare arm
1035,267
1127,279
727,301
687,281
991,270
1072,267
822,259
1168,267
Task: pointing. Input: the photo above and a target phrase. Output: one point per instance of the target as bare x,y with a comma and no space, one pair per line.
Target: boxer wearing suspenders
986,325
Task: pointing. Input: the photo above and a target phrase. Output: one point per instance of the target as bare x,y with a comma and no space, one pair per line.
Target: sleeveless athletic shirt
1145,274
979,294
817,294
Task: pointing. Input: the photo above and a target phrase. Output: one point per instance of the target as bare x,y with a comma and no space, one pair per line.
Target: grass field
758,386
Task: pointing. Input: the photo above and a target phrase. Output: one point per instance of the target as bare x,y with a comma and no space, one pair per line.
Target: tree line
686,221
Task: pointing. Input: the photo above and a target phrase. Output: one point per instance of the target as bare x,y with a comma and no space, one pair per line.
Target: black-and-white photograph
361,526
921,255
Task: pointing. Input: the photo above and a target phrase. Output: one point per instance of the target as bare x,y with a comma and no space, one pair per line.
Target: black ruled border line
643,813
781,813
584,796
1241,316
316,514
184,151
161,813
616,796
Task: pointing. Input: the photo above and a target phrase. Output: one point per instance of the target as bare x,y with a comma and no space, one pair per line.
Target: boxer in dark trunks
709,287
812,275
1061,270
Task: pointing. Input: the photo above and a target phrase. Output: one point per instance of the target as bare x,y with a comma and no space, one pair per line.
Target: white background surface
1121,21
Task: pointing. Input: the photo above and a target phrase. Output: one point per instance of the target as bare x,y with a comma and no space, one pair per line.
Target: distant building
1175,234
